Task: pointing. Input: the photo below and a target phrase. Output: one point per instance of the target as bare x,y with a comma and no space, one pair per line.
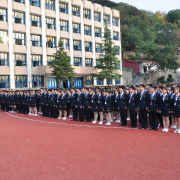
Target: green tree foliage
173,16
145,33
162,56
108,63
170,79
162,80
61,67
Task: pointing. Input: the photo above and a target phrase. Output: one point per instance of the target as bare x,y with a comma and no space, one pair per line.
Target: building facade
31,29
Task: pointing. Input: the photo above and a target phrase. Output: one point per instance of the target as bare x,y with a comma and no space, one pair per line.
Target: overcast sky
153,5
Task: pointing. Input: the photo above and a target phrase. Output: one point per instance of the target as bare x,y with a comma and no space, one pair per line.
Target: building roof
107,3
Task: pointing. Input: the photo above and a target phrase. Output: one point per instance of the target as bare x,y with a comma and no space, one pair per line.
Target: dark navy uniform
176,106
73,104
87,103
165,105
80,104
133,103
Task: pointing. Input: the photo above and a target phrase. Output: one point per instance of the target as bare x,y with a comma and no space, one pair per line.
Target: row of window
21,81
38,81
20,60
19,17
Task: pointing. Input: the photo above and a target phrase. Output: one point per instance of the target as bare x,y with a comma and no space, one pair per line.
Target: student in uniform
94,102
64,105
116,102
142,106
153,108
87,103
107,108
123,105
45,104
165,108
100,103
132,105
171,114
176,109
58,104
80,104
73,104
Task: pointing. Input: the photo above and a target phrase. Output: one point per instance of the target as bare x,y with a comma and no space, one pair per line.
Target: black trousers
74,113
143,117
123,113
46,111
21,108
133,117
87,113
153,119
81,116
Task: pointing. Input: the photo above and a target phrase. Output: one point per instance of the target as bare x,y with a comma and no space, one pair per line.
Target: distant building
29,33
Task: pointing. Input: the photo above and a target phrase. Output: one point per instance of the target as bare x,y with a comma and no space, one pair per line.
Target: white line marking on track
78,125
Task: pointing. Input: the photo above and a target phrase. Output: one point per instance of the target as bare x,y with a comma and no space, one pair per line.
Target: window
50,4
20,81
4,82
97,32
117,81
3,37
19,39
89,80
115,21
87,30
35,3
18,17
36,60
37,81
65,43
35,20
77,45
63,8
88,62
19,59
36,40
77,62
51,42
97,16
4,60
49,59
88,46
118,50
98,48
115,35
76,28
110,81
87,14
50,23
100,82
75,11
19,1
64,26
106,19
3,15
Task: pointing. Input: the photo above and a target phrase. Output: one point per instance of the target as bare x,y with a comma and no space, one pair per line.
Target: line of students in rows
161,103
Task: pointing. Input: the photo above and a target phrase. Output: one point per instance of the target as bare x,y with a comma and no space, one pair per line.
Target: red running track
36,148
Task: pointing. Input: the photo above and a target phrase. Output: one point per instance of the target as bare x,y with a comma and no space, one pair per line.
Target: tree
162,80
108,62
61,67
162,56
173,16
170,79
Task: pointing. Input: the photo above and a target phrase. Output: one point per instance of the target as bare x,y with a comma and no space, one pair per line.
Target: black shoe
145,128
130,126
140,128
72,119
150,129
156,129
86,121
121,125
134,126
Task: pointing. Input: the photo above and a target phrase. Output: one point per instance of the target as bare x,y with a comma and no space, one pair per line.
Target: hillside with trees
154,37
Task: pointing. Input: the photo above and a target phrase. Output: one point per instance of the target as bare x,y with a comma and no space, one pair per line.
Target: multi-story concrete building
29,33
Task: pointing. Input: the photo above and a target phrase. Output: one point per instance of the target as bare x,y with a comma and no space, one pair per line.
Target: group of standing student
160,103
